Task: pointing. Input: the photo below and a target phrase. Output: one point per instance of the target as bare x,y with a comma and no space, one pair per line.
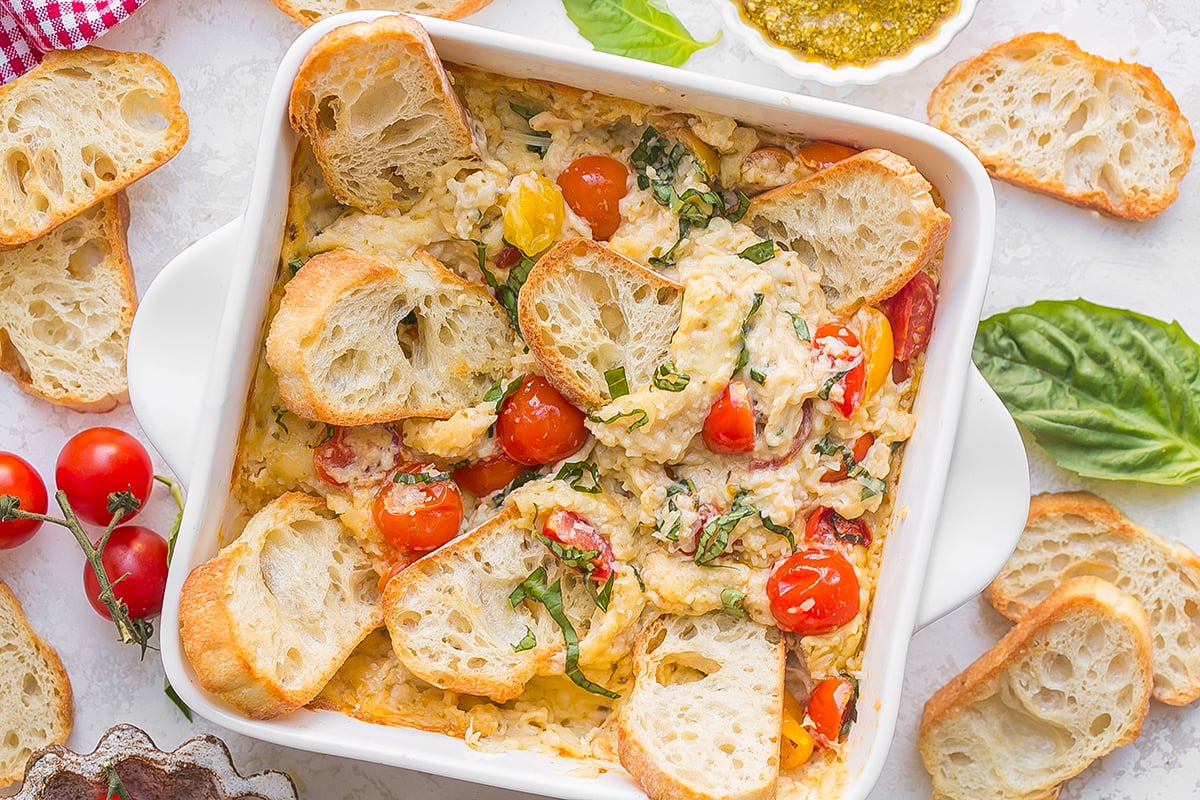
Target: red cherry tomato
910,311
19,479
537,425
729,426
140,555
838,350
416,514
813,591
827,527
487,475
97,462
858,451
570,529
362,454
593,187
832,707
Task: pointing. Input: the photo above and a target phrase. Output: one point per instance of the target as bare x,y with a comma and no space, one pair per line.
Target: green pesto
855,32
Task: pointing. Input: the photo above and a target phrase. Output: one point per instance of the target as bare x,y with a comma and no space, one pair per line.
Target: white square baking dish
209,305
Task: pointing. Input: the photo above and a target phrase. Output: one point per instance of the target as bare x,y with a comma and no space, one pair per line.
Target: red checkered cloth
31,28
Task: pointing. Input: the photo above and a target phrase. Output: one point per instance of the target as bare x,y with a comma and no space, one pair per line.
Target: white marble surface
224,53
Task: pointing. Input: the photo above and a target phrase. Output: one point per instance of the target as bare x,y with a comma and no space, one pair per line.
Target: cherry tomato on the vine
837,349
813,591
19,479
140,555
593,187
832,707
570,529
910,312
97,462
729,426
418,509
537,425
488,474
827,527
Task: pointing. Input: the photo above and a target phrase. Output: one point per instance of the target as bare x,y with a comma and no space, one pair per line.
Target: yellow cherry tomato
533,214
878,347
796,743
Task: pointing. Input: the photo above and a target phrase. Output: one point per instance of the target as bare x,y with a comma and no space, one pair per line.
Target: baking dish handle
171,344
985,505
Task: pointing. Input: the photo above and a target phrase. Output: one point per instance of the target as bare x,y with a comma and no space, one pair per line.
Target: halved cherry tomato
508,258
813,591
878,349
822,154
19,479
537,425
832,707
487,475
417,510
569,529
135,561
533,213
838,351
796,743
910,311
359,454
729,426
97,462
827,527
593,187
858,452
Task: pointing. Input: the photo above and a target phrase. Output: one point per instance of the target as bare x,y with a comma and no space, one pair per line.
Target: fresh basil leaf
528,641
732,600
420,477
759,253
639,416
800,327
643,29
534,588
583,476
669,379
1108,393
618,385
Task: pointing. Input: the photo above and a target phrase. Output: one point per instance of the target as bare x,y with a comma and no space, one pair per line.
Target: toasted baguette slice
35,693
1069,683
1043,114
704,715
345,353
868,223
1077,533
79,127
270,619
66,303
585,309
380,112
309,11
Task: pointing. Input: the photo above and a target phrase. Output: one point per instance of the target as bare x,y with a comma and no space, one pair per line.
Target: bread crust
1005,166
114,216
968,686
1048,506
62,712
14,231
381,38
226,663
558,263
308,14
934,228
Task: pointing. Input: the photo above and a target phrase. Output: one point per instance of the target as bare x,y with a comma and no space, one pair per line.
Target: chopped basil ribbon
329,431
534,589
777,529
294,266
830,382
669,379
279,412
639,415
499,392
800,327
714,536
528,114
583,476
740,210
420,477
744,356
517,482
506,293
851,708
618,386
528,642
871,485
758,376
759,253
732,600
